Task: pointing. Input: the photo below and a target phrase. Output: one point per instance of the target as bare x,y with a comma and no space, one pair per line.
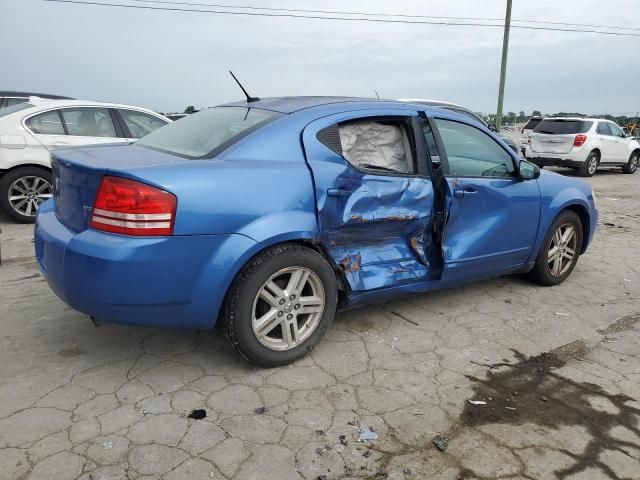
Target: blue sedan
269,215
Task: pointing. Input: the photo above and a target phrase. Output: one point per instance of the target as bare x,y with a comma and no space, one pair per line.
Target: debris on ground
354,423
367,434
198,414
440,441
366,454
343,439
347,470
477,402
510,408
322,477
408,472
260,410
561,314
107,445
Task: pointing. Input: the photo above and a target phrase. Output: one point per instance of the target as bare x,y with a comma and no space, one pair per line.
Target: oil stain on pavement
530,391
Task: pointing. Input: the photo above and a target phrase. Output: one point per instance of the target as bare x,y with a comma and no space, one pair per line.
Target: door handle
465,192
338,192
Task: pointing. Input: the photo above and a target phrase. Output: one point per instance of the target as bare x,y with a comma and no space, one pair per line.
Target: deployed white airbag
375,144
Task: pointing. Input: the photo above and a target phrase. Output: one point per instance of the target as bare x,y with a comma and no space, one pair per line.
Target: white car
526,132
29,131
582,143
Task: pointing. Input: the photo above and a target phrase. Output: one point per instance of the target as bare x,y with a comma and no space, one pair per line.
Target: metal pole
503,67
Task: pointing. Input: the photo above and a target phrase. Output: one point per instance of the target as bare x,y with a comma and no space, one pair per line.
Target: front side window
47,123
207,132
88,122
615,130
140,123
473,153
11,101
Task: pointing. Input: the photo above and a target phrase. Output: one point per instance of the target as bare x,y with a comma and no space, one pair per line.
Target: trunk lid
556,135
77,172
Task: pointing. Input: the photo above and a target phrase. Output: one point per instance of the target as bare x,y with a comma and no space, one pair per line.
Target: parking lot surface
518,380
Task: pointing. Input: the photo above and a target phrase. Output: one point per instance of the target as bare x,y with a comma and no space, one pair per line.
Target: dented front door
373,224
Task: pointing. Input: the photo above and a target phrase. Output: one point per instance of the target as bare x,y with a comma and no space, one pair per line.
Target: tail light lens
132,208
579,140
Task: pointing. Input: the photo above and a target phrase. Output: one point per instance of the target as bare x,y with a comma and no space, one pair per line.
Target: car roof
47,103
7,93
294,104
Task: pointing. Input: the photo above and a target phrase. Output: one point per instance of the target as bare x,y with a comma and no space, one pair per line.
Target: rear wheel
280,305
560,250
590,165
23,190
632,164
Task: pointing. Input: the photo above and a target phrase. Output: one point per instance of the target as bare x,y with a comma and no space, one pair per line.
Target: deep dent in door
383,232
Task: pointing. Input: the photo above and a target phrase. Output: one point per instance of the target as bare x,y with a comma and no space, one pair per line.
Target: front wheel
632,164
590,165
280,305
23,190
560,250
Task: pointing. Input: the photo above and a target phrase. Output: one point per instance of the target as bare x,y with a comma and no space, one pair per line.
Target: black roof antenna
249,97
377,94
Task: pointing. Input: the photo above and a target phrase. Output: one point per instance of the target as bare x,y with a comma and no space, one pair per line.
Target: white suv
582,143
29,131
525,133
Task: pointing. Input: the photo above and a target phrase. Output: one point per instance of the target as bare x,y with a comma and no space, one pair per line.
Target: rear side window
88,122
374,144
532,123
562,127
47,123
207,132
140,123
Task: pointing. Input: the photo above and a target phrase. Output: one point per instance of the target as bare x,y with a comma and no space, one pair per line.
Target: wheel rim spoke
562,250
26,194
288,308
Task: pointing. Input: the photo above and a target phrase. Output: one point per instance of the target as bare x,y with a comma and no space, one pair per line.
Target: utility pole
503,67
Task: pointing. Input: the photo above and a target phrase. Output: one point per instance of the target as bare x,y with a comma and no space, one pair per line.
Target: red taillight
132,208
579,140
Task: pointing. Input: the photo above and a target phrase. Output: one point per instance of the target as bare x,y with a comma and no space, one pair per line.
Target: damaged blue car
268,215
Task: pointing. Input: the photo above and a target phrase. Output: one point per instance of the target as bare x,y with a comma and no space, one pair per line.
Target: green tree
190,109
521,116
536,113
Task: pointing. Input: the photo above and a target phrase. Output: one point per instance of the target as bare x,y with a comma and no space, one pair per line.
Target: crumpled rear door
375,225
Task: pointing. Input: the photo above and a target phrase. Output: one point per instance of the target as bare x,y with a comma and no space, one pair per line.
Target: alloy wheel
633,164
593,165
27,193
562,250
288,308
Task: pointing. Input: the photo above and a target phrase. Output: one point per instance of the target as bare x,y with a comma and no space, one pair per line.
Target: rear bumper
555,161
177,281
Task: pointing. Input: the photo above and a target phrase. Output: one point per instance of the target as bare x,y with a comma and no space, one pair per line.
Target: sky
167,60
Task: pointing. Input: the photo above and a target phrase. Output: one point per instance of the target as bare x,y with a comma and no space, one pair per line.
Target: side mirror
528,171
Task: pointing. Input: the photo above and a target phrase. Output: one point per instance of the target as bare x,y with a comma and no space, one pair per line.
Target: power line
400,15
356,19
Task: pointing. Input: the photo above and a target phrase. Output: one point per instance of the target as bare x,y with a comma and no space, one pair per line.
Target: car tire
590,165
263,331
546,270
19,182
632,164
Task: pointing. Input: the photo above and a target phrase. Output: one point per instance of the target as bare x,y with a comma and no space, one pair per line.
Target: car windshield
562,127
14,108
532,123
208,132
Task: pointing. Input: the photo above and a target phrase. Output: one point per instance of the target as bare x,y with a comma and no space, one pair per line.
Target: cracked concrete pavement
558,368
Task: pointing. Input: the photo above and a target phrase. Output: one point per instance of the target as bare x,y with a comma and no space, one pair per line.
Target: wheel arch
25,165
308,242
585,220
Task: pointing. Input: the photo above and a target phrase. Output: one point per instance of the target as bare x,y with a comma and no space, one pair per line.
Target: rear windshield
14,108
208,132
562,127
532,123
